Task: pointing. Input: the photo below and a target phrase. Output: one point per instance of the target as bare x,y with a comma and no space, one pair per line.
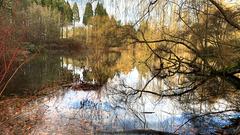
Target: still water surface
110,107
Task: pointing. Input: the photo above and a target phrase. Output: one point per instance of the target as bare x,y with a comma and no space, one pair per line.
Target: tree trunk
74,26
66,31
62,31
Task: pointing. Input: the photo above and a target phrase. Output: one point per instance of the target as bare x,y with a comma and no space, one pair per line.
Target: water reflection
116,106
44,70
106,112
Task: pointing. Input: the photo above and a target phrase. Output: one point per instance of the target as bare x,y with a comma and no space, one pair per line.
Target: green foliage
68,14
1,3
60,6
43,2
47,3
75,11
100,10
32,48
88,13
6,5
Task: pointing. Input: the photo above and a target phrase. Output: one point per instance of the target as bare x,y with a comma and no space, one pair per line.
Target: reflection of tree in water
213,104
101,66
44,70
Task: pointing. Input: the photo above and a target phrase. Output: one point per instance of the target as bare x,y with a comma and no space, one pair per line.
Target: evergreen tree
75,11
68,16
88,13
75,15
100,10
60,6
68,13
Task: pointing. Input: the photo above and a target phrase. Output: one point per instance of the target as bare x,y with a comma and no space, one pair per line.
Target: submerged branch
202,115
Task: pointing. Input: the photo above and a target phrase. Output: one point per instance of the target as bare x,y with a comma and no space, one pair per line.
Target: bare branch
225,15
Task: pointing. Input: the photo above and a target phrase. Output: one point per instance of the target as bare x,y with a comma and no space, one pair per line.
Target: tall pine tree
100,10
88,13
76,17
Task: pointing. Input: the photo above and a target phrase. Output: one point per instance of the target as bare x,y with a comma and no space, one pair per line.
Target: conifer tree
88,13
75,11
100,10
76,17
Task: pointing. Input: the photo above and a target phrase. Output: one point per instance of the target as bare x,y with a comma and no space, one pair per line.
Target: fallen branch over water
137,131
83,86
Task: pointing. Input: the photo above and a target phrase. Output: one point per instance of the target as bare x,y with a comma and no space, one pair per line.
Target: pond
114,106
